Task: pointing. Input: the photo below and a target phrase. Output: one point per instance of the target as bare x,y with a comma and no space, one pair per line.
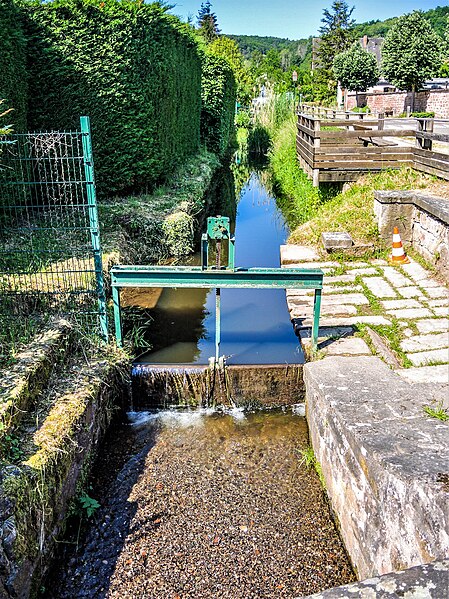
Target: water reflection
256,327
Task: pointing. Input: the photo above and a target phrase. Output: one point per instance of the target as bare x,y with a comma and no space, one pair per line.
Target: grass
438,412
310,461
352,210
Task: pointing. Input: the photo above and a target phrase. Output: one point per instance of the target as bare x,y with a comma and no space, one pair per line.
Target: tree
336,34
228,49
207,22
411,52
356,69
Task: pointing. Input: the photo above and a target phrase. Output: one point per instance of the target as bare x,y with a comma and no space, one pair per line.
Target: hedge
218,96
13,79
133,68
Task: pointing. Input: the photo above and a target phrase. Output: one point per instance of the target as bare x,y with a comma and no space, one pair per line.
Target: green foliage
411,52
218,94
13,77
336,33
228,49
356,69
437,412
133,68
88,505
362,109
435,16
207,22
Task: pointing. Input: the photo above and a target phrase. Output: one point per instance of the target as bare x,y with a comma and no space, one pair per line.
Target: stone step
425,342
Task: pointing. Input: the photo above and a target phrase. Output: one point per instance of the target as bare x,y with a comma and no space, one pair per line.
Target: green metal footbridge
216,277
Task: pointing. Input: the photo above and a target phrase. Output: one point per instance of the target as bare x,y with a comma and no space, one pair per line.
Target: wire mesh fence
50,255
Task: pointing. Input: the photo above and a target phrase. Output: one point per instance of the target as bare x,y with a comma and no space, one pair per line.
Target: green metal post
316,318
217,324
231,253
117,316
94,223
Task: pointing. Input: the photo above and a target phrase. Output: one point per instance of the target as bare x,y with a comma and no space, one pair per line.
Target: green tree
356,69
207,22
411,53
228,49
336,33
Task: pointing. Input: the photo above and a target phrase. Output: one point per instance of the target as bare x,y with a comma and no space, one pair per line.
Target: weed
438,412
88,504
310,461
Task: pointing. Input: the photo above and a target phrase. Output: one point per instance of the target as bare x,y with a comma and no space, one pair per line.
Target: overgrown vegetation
437,412
352,209
133,68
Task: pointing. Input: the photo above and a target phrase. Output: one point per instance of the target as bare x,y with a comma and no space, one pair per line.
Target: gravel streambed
202,504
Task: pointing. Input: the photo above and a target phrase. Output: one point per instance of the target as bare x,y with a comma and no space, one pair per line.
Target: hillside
437,17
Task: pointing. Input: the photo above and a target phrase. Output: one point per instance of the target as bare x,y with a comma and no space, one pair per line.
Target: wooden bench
376,141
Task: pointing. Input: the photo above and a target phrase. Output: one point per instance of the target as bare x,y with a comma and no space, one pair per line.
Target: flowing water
208,503
255,324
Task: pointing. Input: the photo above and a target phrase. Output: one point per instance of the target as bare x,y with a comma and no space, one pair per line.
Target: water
255,324
204,503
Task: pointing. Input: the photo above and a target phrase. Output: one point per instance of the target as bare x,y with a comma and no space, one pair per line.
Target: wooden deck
344,147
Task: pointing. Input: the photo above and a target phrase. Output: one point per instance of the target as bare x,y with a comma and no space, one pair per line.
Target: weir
244,384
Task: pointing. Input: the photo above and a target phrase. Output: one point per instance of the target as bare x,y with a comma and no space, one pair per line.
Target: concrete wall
384,462
423,223
436,101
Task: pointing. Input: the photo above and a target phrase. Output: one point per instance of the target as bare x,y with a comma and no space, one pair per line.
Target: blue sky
293,19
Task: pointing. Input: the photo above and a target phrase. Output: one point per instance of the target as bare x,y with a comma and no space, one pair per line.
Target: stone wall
436,101
384,462
422,220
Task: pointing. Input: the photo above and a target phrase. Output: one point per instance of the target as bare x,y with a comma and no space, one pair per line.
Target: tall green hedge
13,79
133,68
218,95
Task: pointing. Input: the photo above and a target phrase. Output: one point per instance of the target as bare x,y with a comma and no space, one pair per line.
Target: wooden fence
342,146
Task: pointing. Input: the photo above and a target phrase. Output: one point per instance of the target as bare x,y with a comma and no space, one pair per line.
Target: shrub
133,68
13,78
218,94
362,109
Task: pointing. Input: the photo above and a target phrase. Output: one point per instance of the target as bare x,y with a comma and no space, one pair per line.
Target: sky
293,19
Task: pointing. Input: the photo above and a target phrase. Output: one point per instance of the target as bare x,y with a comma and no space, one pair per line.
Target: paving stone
363,271
347,278
336,240
349,346
432,325
410,292
443,311
350,265
331,310
436,303
298,253
410,313
379,287
424,357
341,290
424,342
415,271
437,292
426,374
341,322
356,299
395,277
403,303
312,265
429,283
408,332
379,262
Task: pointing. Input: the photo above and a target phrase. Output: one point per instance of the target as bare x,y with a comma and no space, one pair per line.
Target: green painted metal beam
185,276
197,277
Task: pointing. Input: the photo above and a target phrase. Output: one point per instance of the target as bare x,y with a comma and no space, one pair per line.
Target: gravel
199,505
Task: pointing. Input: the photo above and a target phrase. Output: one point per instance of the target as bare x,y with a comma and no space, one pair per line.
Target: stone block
437,292
424,342
402,303
379,287
425,358
336,240
349,346
415,271
426,374
347,278
442,311
306,322
433,325
410,292
410,313
395,277
298,253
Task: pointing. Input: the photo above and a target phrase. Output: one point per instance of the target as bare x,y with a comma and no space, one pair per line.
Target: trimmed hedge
133,68
218,94
13,78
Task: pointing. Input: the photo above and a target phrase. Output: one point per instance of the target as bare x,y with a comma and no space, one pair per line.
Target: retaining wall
422,220
384,462
436,101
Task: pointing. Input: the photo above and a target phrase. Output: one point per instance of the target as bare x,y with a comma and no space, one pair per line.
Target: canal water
255,324
210,503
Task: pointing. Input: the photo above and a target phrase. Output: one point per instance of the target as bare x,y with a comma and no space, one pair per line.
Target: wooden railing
344,147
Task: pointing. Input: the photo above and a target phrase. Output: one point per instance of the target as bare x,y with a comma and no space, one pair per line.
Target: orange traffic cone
398,256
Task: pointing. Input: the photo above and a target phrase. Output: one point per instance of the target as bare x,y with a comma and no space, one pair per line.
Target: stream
209,502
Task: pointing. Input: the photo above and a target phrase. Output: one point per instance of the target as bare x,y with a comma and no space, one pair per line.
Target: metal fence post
94,223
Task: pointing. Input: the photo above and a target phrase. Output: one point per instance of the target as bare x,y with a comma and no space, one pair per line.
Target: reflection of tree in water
246,164
220,198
